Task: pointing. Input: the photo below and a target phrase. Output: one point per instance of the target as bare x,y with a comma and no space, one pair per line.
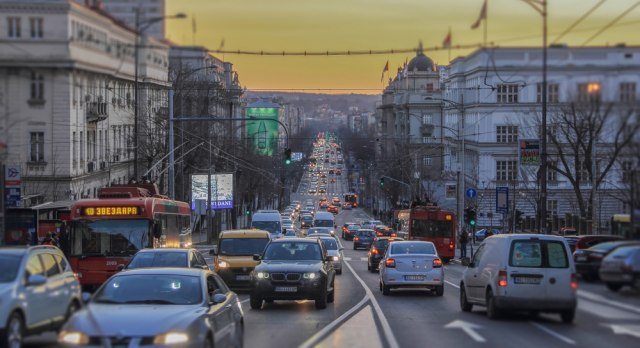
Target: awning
53,205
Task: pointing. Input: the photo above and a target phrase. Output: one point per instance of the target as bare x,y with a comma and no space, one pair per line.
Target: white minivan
528,272
268,220
324,219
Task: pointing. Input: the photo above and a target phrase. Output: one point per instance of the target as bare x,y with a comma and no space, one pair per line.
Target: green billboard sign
263,132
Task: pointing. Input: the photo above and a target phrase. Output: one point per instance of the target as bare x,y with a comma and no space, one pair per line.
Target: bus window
430,229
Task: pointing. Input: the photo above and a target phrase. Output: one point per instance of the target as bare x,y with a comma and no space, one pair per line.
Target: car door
55,287
472,277
220,313
38,308
558,271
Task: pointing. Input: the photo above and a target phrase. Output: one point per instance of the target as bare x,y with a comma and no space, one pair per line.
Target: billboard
221,190
263,133
530,152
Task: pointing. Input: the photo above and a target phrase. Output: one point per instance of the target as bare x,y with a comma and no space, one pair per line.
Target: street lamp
140,27
461,156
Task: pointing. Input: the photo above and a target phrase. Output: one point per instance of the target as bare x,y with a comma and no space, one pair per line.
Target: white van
324,219
529,272
268,220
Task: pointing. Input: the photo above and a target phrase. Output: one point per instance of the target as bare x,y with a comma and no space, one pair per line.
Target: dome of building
421,62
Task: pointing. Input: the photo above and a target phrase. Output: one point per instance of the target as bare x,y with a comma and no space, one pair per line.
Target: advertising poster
530,152
262,132
221,190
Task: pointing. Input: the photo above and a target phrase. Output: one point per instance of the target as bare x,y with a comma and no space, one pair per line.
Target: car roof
290,240
527,235
166,270
245,233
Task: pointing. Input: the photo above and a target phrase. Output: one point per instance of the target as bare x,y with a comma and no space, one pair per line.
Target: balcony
96,111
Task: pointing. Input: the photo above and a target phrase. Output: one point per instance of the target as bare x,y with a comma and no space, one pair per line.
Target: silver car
411,264
158,307
334,249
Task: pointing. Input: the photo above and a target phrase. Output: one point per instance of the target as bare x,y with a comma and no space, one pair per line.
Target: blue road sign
471,193
502,200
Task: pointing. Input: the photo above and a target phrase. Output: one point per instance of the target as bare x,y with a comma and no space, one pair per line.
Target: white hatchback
529,272
38,292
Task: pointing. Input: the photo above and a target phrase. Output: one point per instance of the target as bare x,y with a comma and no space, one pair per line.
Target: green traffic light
472,222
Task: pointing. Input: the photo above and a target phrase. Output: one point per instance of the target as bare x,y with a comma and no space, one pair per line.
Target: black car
349,231
377,250
293,269
363,238
306,221
588,260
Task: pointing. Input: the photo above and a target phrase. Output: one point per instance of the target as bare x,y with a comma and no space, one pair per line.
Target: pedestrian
464,239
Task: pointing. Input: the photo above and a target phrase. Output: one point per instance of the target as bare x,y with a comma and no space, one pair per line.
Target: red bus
430,223
351,198
105,232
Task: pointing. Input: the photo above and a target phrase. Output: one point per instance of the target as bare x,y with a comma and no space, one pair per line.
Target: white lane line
391,338
245,301
313,340
452,284
553,333
599,298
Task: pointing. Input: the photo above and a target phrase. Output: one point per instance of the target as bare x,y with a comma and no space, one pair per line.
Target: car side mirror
218,298
36,279
86,297
465,261
213,251
256,257
157,230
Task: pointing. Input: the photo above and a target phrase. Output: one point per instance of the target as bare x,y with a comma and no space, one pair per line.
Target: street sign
12,197
502,200
296,156
471,193
12,175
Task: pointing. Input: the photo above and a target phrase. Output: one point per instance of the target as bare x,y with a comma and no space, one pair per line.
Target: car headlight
310,275
73,338
223,264
263,275
335,258
171,338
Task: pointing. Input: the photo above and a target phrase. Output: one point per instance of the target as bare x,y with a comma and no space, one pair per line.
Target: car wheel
321,300
354,247
465,306
256,302
386,289
332,294
439,290
11,337
73,307
208,343
492,311
614,286
369,266
568,315
380,285
239,341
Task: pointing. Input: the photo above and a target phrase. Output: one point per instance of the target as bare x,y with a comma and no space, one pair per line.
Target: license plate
526,280
581,258
243,277
286,289
414,277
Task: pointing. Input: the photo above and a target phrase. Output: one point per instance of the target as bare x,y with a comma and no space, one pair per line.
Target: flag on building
386,68
483,16
446,43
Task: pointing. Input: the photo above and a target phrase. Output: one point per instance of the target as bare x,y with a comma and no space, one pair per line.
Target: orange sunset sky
342,25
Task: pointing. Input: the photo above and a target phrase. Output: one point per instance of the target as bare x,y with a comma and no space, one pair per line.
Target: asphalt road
362,317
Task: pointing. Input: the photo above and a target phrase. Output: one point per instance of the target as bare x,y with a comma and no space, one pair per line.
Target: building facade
126,11
67,97
592,114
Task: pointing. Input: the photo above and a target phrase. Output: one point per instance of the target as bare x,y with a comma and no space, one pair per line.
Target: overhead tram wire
340,53
583,17
610,24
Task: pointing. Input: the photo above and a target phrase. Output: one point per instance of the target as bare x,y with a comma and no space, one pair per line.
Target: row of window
15,27
586,92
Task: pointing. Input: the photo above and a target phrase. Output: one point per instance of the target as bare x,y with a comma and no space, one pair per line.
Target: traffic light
466,215
287,156
518,217
381,182
472,217
247,212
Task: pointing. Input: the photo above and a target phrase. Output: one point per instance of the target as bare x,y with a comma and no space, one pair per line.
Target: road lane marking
355,331
468,328
553,333
245,301
624,329
599,298
452,284
313,340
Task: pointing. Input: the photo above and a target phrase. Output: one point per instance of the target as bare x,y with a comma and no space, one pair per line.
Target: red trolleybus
105,232
430,223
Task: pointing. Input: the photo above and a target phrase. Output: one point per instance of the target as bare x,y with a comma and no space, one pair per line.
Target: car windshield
330,243
159,258
292,251
412,248
120,237
242,246
623,252
323,223
156,289
9,265
382,243
318,230
353,227
365,233
271,226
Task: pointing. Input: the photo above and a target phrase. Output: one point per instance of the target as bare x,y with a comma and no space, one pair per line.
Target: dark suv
293,269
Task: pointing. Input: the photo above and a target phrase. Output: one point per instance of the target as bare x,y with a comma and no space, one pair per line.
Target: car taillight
393,235
451,246
390,263
436,263
379,233
502,278
574,281
626,268
356,238
595,256
374,251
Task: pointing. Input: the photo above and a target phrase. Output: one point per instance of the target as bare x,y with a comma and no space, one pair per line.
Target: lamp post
140,27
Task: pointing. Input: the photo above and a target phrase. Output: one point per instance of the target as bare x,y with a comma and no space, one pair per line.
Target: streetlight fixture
140,27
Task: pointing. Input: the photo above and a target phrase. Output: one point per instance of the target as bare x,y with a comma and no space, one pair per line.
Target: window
37,86
74,149
13,27
81,147
507,93
552,175
37,147
589,92
582,169
427,161
36,28
627,92
627,171
33,267
506,170
427,119
50,265
552,93
506,134
552,206
429,87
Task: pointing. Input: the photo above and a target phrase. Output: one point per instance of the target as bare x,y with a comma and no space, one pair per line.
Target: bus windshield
431,229
109,237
